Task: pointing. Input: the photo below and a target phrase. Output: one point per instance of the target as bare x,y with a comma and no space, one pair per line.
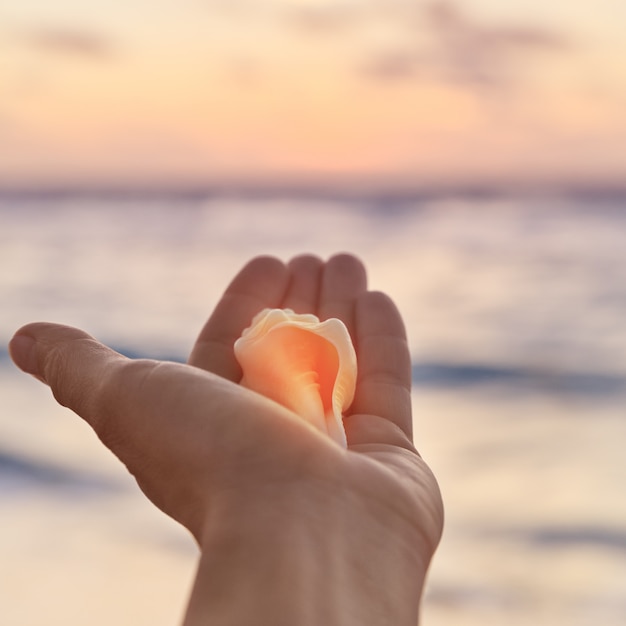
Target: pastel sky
193,91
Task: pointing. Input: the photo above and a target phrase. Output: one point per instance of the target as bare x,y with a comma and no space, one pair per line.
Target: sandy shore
533,487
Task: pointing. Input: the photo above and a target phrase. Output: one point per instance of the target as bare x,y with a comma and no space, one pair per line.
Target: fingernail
24,354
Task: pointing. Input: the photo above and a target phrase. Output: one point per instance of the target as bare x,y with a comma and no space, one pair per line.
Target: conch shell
306,365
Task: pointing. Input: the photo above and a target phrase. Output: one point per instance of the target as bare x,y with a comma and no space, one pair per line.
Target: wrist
312,556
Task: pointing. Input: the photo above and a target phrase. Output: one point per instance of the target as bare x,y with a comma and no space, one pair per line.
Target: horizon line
323,189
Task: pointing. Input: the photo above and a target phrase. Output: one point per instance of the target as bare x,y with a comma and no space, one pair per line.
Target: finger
83,376
112,393
343,280
139,409
304,284
44,350
260,284
176,428
384,362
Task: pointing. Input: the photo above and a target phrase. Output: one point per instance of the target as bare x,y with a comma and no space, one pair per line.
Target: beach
515,311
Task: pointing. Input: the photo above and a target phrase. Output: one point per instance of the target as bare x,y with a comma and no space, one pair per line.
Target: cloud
469,52
69,42
439,40
333,18
397,65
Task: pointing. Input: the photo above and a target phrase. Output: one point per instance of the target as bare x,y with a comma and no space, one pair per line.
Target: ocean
516,312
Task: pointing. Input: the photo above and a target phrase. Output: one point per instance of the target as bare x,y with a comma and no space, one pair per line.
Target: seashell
306,365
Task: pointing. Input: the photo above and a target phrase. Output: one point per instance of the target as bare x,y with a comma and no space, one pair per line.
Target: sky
190,92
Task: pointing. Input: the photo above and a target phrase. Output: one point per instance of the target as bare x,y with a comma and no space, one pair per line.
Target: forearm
307,566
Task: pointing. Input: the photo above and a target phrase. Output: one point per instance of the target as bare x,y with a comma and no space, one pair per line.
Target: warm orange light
306,365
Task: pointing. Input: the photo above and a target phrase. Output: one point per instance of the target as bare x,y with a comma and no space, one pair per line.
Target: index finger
260,284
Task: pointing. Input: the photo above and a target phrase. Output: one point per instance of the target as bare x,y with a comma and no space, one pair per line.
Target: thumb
130,405
71,362
141,405
152,415
122,399
181,431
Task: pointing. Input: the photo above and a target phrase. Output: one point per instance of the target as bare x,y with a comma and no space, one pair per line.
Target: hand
278,509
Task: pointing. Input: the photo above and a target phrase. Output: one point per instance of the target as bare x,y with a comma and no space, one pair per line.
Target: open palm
381,456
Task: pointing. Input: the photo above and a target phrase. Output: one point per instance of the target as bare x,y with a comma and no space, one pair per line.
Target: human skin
292,528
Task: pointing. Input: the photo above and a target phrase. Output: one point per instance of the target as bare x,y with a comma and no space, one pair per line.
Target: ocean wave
520,378
19,472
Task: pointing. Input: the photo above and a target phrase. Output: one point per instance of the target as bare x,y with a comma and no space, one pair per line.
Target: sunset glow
415,91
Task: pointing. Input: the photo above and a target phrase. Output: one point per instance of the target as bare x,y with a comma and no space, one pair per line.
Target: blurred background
473,153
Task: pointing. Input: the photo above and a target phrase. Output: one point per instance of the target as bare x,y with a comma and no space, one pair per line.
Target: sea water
516,313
